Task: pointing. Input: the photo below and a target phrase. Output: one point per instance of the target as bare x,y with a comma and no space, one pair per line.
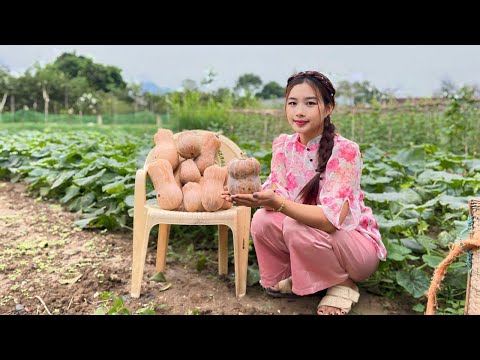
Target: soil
50,266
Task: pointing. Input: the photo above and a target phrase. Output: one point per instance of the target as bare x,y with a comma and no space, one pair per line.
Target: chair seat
194,218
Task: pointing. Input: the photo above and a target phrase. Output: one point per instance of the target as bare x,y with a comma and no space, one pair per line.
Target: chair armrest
140,194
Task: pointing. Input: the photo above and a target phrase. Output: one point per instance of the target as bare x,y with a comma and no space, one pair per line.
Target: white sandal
341,297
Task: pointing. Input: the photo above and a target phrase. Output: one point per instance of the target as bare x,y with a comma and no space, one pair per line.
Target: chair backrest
228,148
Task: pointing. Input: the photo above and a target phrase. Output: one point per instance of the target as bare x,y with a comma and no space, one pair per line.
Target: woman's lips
300,123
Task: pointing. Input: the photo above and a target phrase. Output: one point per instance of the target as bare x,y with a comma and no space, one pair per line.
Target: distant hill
153,88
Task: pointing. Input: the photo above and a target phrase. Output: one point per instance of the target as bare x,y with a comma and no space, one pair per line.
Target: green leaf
472,165
100,311
201,262
408,156
105,295
432,260
454,202
64,176
374,180
404,196
90,179
117,302
419,308
158,277
82,223
395,225
444,238
429,176
130,200
373,153
397,252
416,282
70,193
87,200
114,188
145,311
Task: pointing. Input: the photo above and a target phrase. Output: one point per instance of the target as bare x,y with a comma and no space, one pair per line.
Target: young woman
314,231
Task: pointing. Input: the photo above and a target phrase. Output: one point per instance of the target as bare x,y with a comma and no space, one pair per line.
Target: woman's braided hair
326,93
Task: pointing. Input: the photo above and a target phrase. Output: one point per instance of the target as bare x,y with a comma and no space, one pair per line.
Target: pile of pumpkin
186,177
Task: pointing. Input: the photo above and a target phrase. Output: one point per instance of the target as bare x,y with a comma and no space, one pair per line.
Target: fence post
99,119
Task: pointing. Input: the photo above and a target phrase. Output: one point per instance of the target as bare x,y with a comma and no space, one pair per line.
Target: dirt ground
49,266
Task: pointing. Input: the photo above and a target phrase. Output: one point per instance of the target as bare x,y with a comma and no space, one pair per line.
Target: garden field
66,204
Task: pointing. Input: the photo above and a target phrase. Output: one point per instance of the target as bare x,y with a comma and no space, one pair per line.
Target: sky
408,70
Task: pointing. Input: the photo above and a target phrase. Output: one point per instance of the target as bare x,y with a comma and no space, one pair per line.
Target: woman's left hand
267,198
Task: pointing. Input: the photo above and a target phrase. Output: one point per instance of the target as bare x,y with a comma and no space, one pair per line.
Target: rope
439,274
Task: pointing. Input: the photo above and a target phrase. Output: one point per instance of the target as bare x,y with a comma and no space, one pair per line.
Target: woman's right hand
226,194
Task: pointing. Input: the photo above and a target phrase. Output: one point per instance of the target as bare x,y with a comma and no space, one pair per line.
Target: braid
309,193
326,145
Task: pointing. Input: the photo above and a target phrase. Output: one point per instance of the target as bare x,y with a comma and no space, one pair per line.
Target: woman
314,231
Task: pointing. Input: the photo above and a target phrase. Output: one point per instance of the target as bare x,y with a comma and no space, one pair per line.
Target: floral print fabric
293,165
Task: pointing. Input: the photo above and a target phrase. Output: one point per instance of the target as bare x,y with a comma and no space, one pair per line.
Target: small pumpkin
243,176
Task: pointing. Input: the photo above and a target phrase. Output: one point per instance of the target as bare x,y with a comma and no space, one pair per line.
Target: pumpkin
165,147
212,187
189,144
189,172
192,197
169,195
243,176
210,146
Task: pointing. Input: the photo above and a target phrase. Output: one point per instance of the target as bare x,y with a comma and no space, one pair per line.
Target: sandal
341,297
284,289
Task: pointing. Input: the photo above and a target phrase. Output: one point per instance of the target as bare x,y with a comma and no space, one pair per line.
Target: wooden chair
237,218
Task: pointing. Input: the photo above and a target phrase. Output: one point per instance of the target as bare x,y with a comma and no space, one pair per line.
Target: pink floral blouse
294,164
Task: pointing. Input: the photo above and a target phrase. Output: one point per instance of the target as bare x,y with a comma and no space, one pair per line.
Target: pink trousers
315,259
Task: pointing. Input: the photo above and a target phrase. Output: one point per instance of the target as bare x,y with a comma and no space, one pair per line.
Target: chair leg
241,244
222,249
140,243
162,244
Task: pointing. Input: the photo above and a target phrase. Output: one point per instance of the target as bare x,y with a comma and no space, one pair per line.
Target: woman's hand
267,198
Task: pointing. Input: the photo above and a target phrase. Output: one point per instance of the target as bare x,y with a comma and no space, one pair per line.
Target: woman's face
305,113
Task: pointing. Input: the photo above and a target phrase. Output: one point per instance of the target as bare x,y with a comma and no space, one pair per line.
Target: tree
223,95
249,83
209,78
271,90
189,85
100,77
447,88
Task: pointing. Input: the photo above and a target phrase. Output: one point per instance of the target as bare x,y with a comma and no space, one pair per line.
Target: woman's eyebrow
307,98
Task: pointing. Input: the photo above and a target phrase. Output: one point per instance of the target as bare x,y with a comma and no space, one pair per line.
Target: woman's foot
282,289
332,310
